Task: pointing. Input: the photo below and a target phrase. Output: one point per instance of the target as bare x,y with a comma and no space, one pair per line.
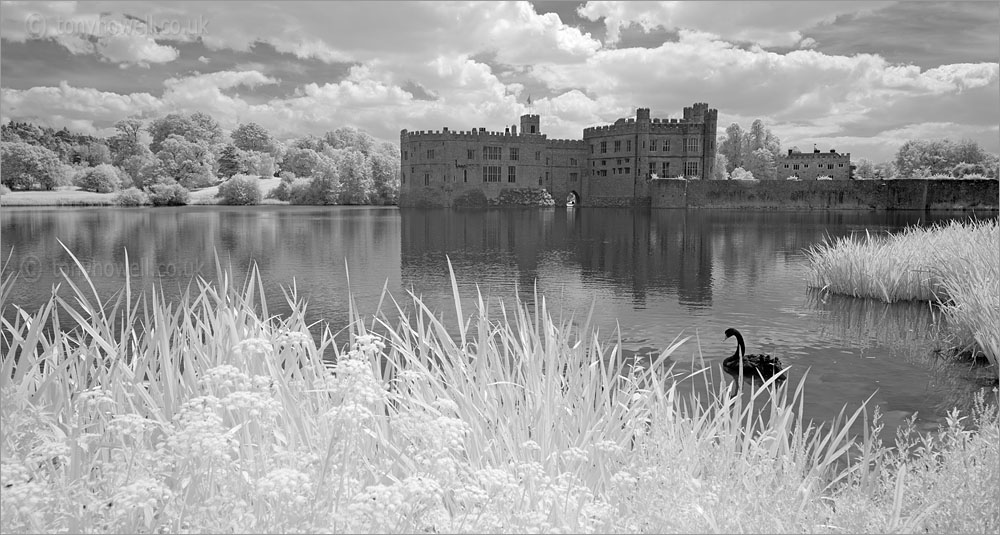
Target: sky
858,77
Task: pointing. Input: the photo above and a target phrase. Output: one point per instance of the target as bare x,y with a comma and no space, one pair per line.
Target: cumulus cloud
764,23
135,49
340,31
111,35
466,65
74,106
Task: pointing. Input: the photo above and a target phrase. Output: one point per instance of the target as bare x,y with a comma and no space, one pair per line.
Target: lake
653,274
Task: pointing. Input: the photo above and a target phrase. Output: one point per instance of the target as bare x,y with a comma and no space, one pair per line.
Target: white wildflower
251,347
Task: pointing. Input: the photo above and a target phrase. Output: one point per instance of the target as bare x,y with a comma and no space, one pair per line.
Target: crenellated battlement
468,135
567,143
625,126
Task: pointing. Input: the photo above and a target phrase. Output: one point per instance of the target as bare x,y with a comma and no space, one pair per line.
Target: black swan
756,368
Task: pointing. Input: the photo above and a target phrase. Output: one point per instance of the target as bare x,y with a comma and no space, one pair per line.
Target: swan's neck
741,348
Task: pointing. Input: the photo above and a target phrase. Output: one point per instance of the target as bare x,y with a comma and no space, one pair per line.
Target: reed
954,265
129,414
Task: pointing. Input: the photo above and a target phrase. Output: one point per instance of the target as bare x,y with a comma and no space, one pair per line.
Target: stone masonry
611,166
812,165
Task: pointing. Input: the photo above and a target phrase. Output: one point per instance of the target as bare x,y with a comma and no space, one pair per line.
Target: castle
612,165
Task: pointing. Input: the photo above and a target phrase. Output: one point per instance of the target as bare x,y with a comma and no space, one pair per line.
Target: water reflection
651,274
867,323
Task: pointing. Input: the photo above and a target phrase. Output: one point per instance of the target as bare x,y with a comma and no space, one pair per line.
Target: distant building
611,165
812,165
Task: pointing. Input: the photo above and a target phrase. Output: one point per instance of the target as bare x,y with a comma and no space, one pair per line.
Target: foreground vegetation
955,265
212,416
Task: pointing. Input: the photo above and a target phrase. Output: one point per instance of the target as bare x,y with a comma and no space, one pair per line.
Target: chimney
513,129
506,131
789,152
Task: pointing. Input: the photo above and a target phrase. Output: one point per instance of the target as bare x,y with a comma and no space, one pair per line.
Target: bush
169,195
132,197
240,190
792,177
963,169
259,163
4,190
101,179
22,166
824,177
741,174
308,191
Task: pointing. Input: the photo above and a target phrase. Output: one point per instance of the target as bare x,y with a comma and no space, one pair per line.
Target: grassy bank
74,196
210,415
956,265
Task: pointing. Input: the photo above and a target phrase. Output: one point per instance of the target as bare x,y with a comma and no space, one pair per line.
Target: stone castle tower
611,166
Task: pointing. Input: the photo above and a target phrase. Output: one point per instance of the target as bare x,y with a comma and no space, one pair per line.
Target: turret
530,124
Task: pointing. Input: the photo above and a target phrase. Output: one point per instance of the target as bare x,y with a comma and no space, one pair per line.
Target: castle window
491,173
465,175
546,161
538,155
427,179
838,165
805,166
514,153
652,167
618,161
511,173
402,178
604,172
666,145
573,177
829,166
591,148
628,170
491,153
572,161
628,145
604,147
470,154
430,154
413,169
692,144
627,160
618,145
652,144
691,169
665,169
614,170
786,166
406,155
546,175
795,167
604,162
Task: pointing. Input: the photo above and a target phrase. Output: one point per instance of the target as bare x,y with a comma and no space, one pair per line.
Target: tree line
754,153
344,166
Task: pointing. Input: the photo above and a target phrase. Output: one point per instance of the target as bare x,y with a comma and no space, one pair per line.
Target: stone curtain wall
827,195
